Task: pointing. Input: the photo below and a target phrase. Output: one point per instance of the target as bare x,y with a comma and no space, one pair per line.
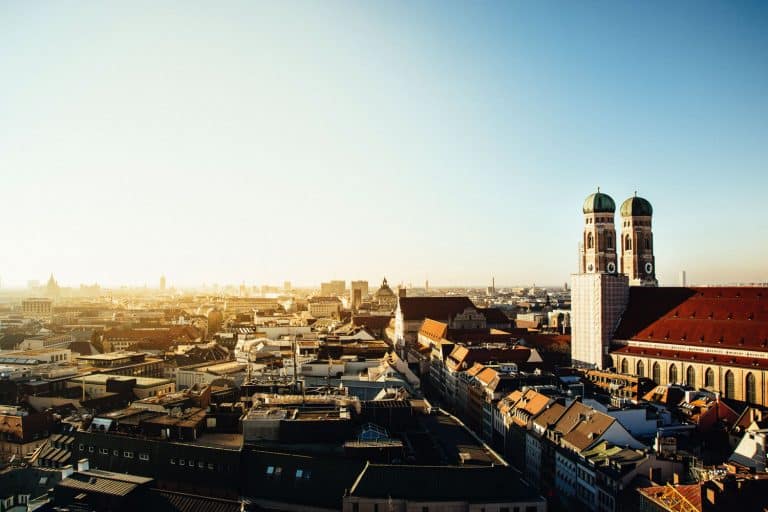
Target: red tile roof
433,329
722,317
657,493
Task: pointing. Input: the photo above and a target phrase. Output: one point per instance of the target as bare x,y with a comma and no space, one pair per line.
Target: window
104,451
609,241
625,366
191,464
590,241
730,392
299,474
709,378
81,447
116,453
143,456
648,244
657,373
751,392
270,470
690,377
627,243
278,472
640,369
200,464
173,461
210,466
128,455
673,374
90,449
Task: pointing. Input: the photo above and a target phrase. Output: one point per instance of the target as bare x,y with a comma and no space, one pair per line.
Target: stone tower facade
637,260
599,293
598,245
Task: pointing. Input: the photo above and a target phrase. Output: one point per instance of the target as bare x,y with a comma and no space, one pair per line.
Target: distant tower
683,281
162,283
52,288
599,294
493,284
426,286
637,260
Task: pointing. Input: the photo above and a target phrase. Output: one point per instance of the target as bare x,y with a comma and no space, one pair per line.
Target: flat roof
110,356
101,378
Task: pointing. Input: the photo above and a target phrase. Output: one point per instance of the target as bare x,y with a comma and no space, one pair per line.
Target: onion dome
636,206
599,203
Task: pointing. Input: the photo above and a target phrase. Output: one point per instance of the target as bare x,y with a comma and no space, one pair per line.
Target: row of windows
190,463
750,382
105,451
276,473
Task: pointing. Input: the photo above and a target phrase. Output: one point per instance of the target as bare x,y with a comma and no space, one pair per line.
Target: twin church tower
600,291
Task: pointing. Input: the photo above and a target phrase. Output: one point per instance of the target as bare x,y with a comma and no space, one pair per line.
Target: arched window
640,369
590,241
648,243
730,388
625,366
709,378
609,242
751,389
627,243
690,377
673,374
657,373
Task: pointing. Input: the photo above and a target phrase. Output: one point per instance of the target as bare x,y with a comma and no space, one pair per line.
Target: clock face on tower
611,267
649,268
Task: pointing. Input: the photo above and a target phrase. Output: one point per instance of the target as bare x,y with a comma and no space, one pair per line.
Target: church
705,337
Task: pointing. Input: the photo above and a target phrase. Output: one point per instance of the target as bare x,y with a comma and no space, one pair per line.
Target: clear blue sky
230,141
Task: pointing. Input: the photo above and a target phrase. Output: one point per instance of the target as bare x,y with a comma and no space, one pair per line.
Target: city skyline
278,141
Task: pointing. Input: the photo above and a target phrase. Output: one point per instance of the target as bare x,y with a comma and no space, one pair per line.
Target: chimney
67,471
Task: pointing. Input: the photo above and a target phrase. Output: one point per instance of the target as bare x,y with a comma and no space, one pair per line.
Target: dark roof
83,348
599,203
372,321
494,316
438,308
721,317
489,484
323,481
167,501
636,206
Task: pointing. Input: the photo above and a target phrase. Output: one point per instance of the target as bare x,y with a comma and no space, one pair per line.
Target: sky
257,142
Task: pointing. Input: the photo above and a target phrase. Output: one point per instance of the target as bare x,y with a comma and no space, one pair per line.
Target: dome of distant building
636,206
385,291
599,203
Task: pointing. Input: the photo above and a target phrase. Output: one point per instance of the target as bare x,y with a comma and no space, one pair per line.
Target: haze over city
307,141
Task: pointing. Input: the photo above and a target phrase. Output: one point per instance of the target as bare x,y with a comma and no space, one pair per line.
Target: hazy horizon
310,141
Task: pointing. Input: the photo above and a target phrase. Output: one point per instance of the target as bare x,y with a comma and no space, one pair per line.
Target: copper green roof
636,206
599,203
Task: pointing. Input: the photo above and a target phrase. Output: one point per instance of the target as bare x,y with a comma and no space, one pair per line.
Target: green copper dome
636,206
599,203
